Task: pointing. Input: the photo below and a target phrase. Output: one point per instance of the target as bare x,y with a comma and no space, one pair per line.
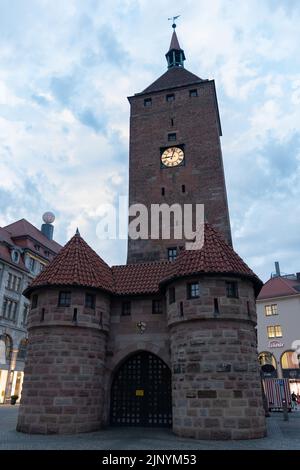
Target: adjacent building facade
169,338
278,312
24,252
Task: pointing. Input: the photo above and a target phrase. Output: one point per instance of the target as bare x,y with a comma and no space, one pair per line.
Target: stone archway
141,392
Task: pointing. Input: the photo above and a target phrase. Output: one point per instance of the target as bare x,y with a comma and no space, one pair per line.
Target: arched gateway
141,392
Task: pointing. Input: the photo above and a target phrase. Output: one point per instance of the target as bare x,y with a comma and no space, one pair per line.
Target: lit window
170,97
274,331
278,331
126,308
271,332
64,299
193,290
271,310
172,295
90,300
232,289
193,93
148,102
172,253
156,306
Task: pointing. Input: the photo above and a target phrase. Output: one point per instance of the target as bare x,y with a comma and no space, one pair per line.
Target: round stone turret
212,318
68,324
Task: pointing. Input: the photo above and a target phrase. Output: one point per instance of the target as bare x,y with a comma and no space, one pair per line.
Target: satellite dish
267,368
48,217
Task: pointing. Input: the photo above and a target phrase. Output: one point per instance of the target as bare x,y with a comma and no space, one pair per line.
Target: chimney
277,268
47,228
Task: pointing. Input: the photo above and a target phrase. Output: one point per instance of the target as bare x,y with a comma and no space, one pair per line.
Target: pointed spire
77,234
175,56
174,42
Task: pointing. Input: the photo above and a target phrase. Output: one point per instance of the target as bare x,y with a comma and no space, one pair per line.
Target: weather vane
174,18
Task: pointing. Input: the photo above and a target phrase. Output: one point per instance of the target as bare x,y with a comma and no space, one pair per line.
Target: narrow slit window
183,188
216,306
43,314
74,315
162,191
181,309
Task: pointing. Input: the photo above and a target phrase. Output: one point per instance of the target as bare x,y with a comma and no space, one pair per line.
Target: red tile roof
75,265
23,228
279,287
172,78
216,256
141,278
78,265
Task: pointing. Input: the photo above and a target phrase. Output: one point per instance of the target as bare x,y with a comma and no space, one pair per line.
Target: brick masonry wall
63,388
196,126
215,373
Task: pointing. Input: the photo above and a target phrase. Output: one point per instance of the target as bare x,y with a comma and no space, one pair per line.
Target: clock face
172,156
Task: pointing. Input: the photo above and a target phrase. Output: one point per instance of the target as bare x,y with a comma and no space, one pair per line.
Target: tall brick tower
175,152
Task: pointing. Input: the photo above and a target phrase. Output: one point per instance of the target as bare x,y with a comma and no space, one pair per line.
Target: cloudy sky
66,68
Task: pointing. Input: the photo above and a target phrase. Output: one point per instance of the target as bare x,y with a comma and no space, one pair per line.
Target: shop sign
275,344
291,373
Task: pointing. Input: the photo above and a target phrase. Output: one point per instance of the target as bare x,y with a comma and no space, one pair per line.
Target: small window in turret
172,297
34,301
147,102
157,306
232,289
126,308
90,300
64,299
193,290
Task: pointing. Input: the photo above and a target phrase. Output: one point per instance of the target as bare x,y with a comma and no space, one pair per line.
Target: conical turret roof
75,265
215,257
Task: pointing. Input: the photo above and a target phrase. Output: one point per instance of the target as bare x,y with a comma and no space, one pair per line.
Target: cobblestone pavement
281,435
